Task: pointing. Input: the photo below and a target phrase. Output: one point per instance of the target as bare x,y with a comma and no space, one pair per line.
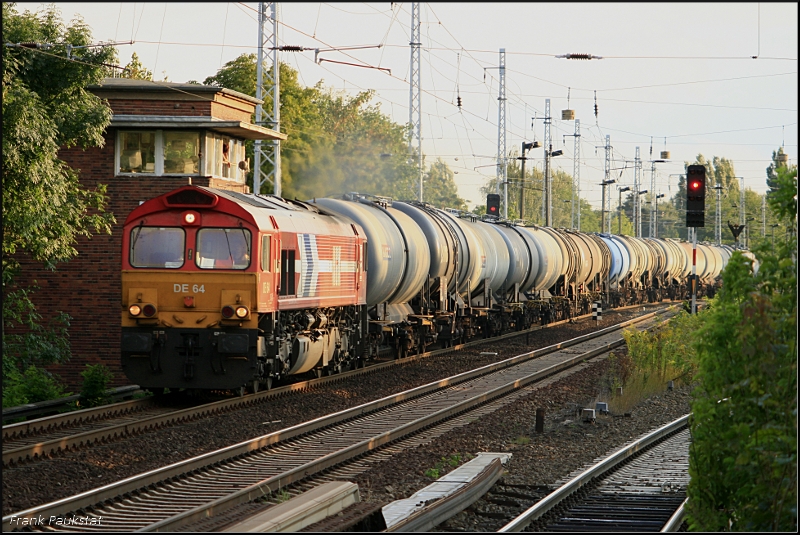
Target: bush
743,457
95,384
32,386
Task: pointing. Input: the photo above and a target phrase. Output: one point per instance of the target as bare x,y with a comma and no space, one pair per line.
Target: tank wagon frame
224,290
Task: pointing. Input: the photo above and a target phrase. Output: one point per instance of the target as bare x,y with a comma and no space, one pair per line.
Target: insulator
291,48
579,56
458,101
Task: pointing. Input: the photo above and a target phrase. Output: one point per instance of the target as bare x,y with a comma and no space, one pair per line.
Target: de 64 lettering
184,288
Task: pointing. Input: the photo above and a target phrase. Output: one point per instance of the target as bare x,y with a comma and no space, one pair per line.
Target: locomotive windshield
223,248
157,247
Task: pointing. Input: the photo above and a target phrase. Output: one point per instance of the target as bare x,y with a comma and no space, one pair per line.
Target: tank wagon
224,290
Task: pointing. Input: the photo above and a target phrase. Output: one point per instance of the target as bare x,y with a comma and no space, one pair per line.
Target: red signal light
695,184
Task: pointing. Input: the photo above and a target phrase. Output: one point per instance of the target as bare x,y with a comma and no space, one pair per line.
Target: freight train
234,291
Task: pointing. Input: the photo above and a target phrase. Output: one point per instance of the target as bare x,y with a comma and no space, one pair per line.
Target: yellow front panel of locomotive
189,300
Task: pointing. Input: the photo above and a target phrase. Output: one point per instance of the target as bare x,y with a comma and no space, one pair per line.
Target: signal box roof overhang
239,129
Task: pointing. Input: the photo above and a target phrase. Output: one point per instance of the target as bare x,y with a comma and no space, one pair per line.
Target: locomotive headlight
189,218
241,312
227,312
149,310
135,310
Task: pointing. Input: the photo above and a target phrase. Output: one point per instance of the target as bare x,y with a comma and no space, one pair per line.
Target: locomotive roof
270,202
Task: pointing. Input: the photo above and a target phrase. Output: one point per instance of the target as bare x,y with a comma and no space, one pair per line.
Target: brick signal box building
162,136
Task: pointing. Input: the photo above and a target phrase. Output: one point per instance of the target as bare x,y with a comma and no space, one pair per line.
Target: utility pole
525,148
718,218
741,202
764,216
576,177
655,219
619,209
271,153
415,93
653,191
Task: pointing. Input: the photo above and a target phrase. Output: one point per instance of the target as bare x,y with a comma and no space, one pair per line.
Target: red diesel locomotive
222,290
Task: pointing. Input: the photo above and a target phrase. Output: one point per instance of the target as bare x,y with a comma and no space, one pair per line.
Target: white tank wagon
471,256
496,260
619,268
597,256
442,243
523,261
398,256
551,263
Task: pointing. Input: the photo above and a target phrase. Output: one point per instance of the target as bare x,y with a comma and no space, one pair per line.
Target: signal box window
137,152
157,247
225,154
223,248
182,153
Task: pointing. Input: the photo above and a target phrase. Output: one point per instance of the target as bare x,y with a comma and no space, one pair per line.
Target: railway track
205,486
637,488
45,437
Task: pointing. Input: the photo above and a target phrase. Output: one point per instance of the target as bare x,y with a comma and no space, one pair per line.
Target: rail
258,484
556,497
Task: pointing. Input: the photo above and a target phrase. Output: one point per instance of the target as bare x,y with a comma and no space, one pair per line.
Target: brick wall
160,107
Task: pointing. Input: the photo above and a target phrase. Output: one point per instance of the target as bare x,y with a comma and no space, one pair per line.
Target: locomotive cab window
223,248
157,247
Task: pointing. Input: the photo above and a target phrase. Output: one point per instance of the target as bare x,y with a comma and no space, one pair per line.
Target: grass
436,471
639,386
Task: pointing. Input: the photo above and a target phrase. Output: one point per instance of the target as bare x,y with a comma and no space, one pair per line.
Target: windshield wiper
136,237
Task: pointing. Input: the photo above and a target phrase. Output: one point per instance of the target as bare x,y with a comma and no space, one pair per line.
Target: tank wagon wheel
241,391
255,386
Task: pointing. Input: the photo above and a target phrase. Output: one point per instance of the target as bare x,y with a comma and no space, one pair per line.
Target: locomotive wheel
255,386
241,391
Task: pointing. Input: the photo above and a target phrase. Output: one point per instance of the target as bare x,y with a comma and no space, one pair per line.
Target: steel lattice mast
415,93
548,148
269,151
502,157
576,177
607,198
637,184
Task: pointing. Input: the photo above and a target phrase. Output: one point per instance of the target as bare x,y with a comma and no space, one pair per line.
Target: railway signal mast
272,152
695,215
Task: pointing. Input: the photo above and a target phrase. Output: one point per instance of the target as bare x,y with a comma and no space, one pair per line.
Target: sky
677,77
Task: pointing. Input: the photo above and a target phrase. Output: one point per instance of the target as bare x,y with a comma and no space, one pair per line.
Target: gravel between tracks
70,473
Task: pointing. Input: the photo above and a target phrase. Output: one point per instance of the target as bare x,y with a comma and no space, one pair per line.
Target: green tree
45,107
440,187
45,208
336,143
136,70
743,458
